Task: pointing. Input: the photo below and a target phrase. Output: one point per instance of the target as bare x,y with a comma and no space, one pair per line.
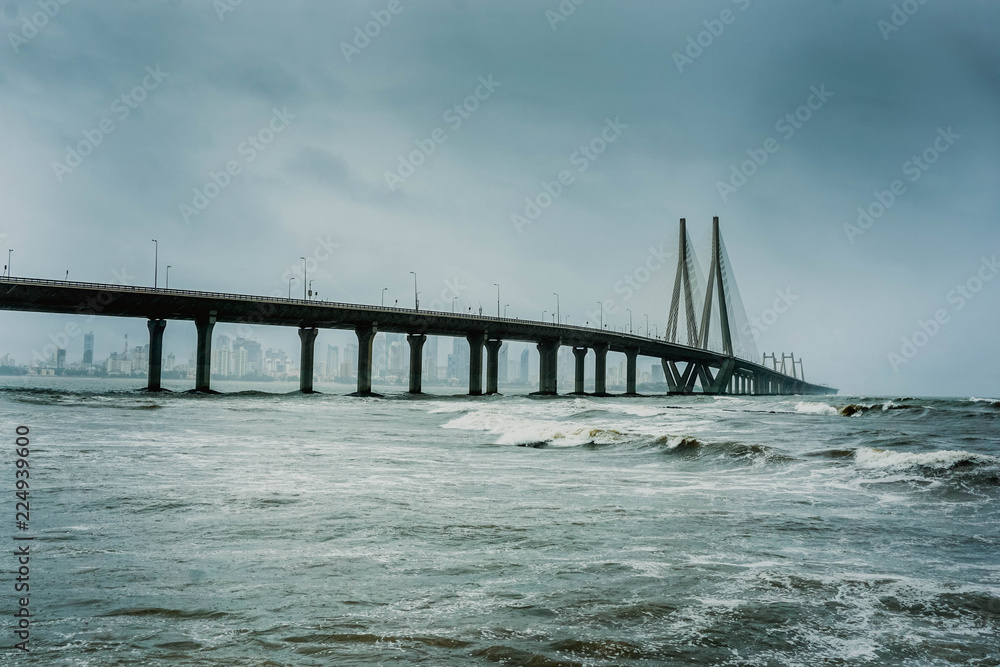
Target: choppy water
255,529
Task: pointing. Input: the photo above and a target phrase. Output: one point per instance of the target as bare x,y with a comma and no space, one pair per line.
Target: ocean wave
864,408
871,457
812,408
993,403
734,450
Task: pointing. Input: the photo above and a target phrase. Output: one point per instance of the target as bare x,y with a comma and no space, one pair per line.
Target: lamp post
505,309
558,313
543,315
601,304
498,298
305,276
67,275
629,320
156,260
310,289
416,299
647,325
168,277
383,296
9,250
290,286
453,300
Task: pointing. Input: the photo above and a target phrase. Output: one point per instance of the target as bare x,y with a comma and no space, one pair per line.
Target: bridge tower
715,279
682,281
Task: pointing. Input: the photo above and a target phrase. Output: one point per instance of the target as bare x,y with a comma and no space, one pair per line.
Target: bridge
686,365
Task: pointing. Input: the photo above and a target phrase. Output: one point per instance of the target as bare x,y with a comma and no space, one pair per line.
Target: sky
850,149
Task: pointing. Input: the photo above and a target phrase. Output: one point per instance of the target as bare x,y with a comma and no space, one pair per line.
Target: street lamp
310,289
543,315
498,298
629,320
67,275
168,277
383,296
305,276
601,304
505,309
156,260
647,325
416,299
558,314
453,300
290,286
10,250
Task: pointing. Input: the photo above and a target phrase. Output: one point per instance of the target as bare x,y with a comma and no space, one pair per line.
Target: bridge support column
366,337
581,361
492,365
601,369
307,338
548,367
631,357
203,356
476,342
416,342
156,328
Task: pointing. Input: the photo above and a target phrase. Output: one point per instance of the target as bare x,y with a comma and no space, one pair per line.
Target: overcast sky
687,91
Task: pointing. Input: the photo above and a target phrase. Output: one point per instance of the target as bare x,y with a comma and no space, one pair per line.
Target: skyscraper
332,361
502,365
430,358
60,358
88,349
524,379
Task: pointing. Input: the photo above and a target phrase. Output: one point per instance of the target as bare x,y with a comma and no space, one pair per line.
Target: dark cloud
326,173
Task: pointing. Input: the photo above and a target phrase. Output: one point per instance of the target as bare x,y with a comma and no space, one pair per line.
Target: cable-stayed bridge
699,351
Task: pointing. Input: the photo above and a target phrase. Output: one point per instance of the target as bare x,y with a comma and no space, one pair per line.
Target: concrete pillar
156,328
631,357
203,356
366,336
548,367
307,340
492,365
476,342
601,369
581,360
416,342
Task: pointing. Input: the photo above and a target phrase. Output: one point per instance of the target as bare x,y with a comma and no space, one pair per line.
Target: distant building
657,373
430,358
88,349
523,375
60,358
502,364
332,360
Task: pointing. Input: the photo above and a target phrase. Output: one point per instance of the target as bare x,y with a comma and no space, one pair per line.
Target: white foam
870,457
992,401
810,408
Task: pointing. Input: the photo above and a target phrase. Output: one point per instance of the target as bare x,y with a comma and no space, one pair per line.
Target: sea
269,527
